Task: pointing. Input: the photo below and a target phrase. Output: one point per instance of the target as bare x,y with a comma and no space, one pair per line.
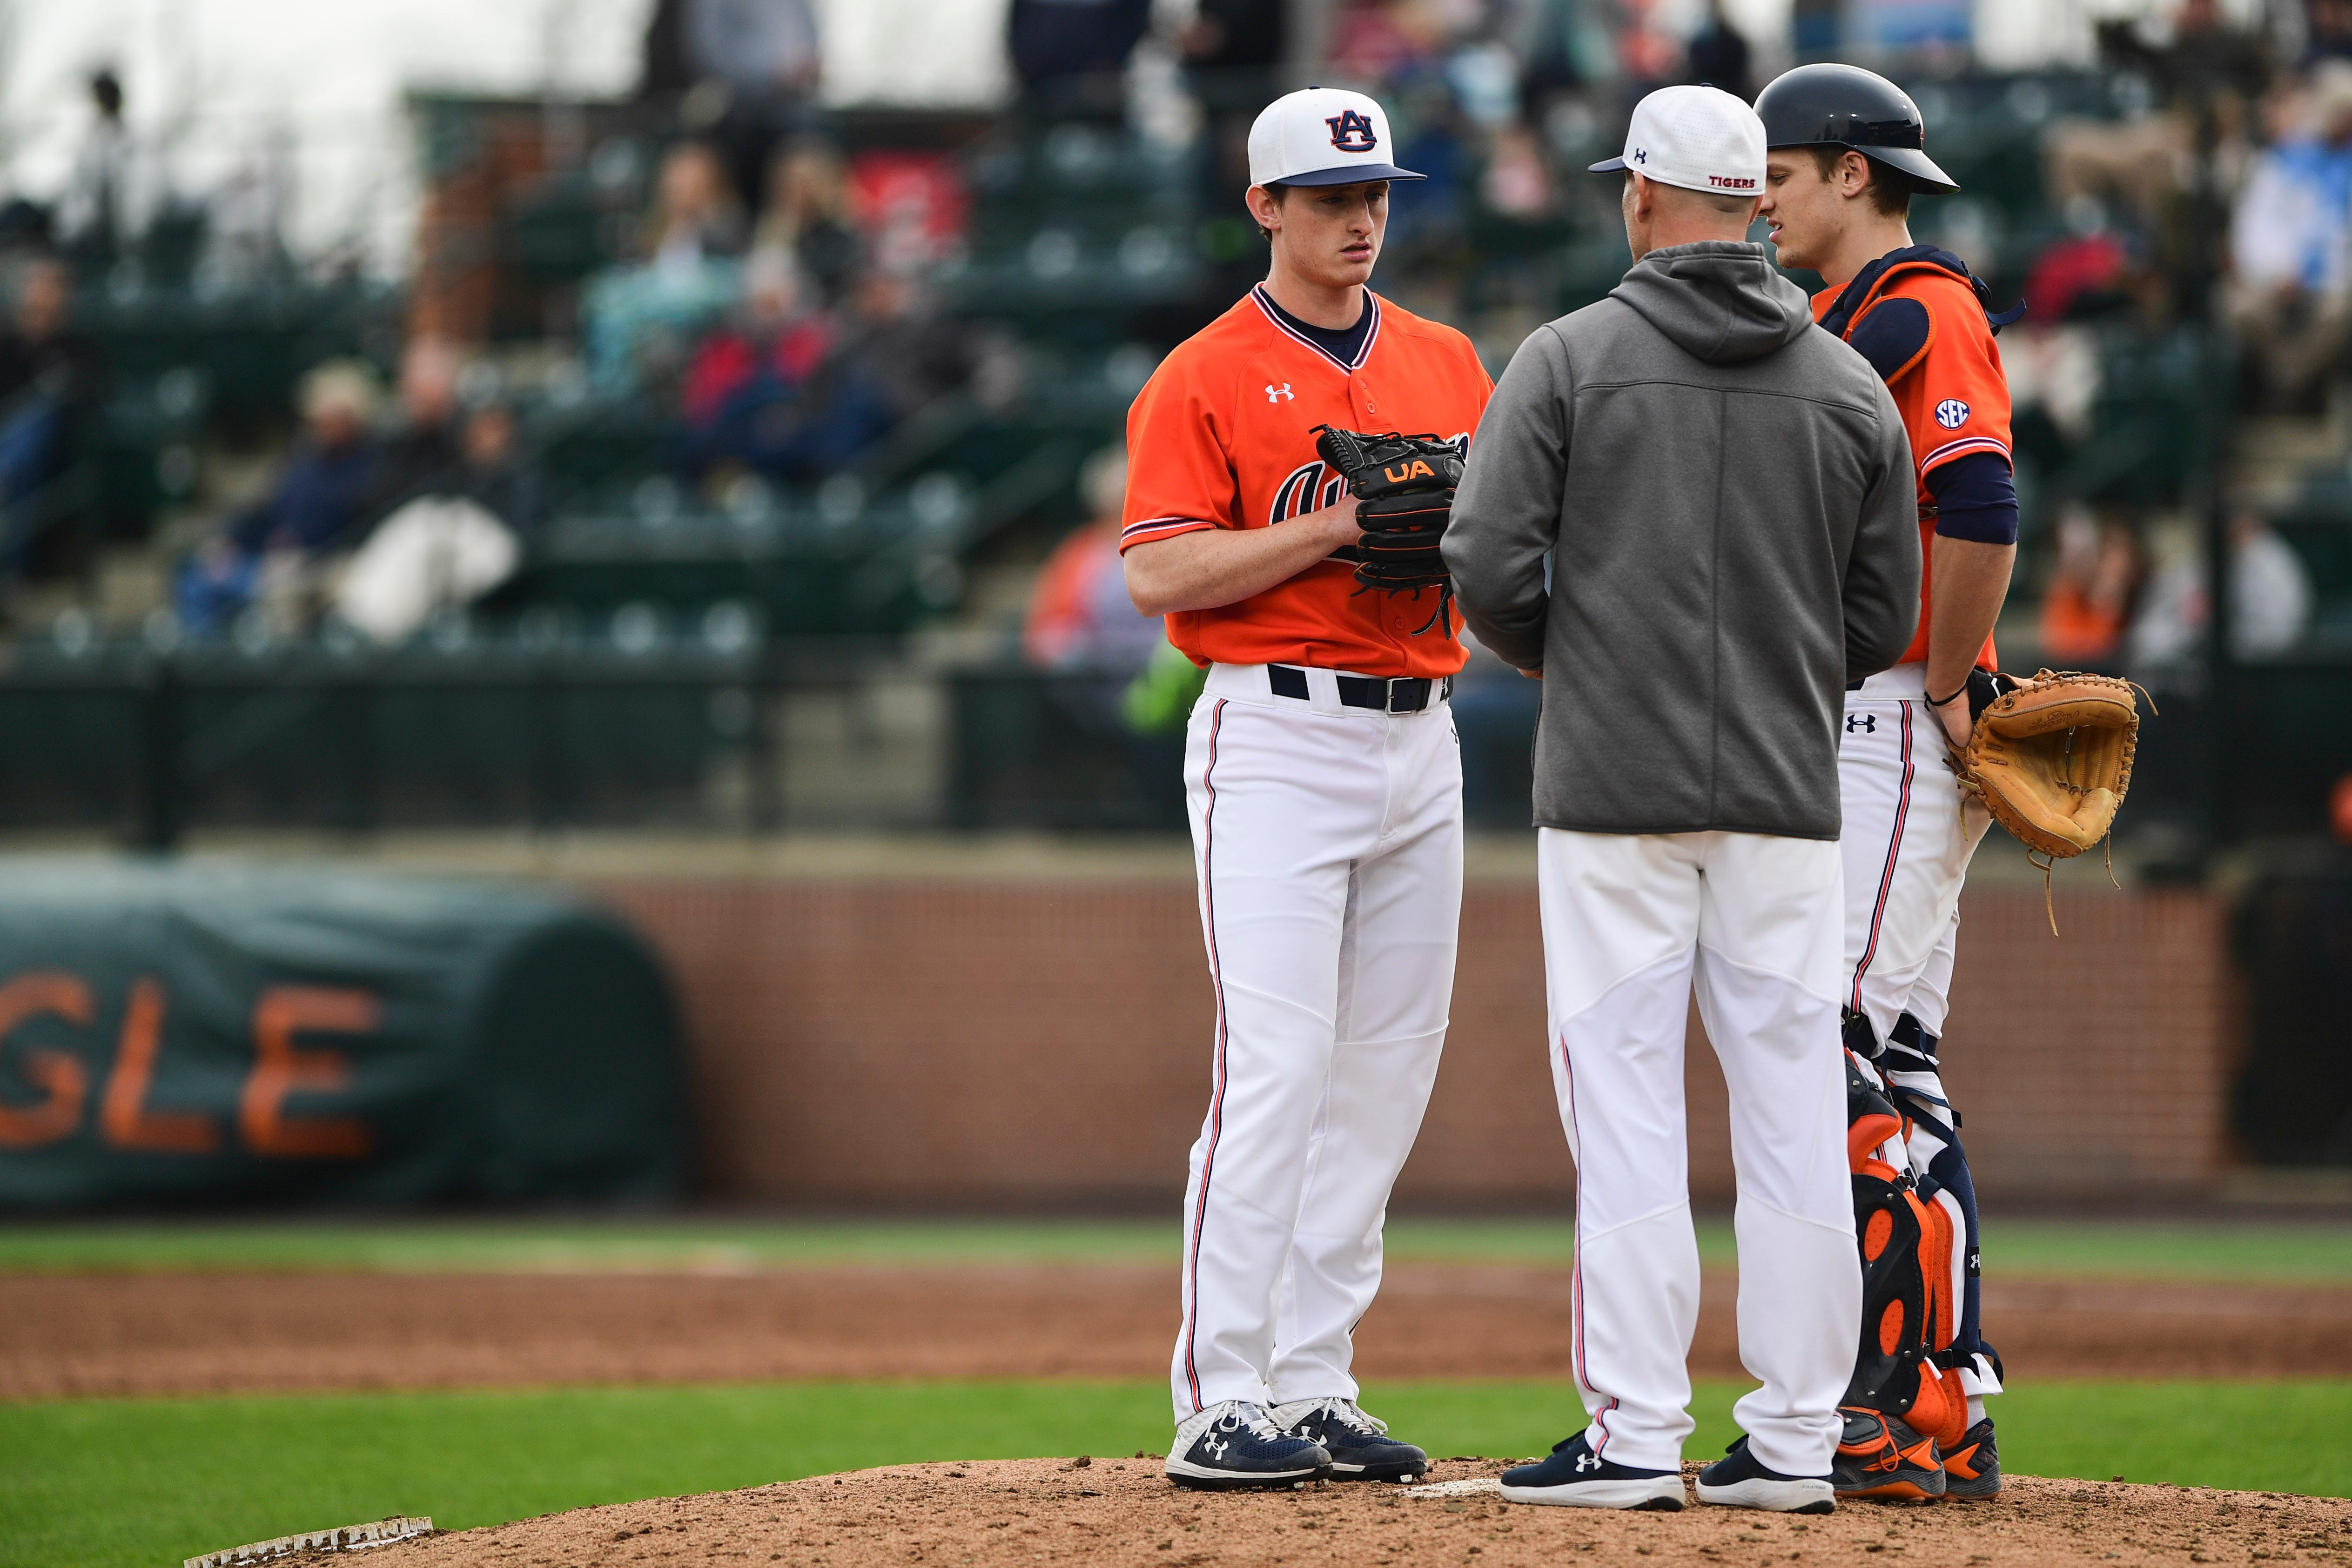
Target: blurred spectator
1070,54
491,473
243,220
913,352
1382,42
640,318
695,216
665,74
755,65
804,223
114,186
1719,56
2270,599
448,545
2208,73
2089,598
2088,273
1240,40
50,378
2170,171
783,391
1561,44
313,509
2290,295
1080,616
1516,184
450,542
422,453
2327,31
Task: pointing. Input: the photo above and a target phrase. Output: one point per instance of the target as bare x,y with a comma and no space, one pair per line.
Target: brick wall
964,1042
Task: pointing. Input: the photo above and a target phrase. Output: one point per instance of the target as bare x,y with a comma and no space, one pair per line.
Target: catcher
1928,753
1291,540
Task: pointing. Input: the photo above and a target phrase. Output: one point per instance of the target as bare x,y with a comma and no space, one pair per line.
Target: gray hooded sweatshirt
1725,495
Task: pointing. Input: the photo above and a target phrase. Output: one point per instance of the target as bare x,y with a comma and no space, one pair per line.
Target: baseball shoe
1234,1444
1576,1477
1740,1480
1973,1469
1881,1457
1360,1445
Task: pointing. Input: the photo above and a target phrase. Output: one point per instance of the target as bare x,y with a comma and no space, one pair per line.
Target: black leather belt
1405,694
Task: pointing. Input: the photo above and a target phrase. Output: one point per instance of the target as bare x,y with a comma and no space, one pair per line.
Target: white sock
1976,1408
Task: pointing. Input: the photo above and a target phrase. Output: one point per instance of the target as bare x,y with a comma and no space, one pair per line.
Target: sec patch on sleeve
1951,414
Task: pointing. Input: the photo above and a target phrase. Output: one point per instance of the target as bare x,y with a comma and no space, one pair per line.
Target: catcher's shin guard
1931,1133
1906,1236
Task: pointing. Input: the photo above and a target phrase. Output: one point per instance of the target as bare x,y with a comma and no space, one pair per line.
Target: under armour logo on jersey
1351,132
1274,393
1951,414
1861,723
1588,1461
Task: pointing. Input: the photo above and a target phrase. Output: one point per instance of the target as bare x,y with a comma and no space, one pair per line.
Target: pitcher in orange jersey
1325,788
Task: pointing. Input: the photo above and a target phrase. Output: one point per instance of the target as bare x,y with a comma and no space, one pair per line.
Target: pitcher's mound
1123,1511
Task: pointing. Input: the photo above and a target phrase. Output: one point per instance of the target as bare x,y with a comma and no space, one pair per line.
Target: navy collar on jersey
1347,348
1851,298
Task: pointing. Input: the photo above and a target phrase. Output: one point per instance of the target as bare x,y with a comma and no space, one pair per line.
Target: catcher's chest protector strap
1909,1313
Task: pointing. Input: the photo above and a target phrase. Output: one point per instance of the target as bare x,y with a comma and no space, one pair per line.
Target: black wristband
1950,700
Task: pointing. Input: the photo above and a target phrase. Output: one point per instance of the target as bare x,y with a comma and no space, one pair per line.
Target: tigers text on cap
1322,136
1700,138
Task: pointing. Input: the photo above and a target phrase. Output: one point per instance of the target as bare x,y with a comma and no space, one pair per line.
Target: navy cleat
1576,1477
1360,1445
1740,1480
1880,1458
1234,1444
1973,1469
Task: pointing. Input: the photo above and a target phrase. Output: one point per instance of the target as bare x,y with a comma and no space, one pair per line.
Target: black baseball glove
1404,487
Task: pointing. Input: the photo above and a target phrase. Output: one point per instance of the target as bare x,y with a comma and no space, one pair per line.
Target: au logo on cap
1351,132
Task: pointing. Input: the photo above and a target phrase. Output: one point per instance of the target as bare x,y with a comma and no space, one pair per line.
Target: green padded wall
174,1034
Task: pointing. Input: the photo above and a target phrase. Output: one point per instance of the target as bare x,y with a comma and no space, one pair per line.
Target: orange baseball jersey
1950,389
1223,436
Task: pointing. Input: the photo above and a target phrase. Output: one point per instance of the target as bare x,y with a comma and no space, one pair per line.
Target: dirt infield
1122,1511
66,1336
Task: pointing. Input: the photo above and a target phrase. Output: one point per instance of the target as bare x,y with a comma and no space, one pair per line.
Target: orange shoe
1973,1469
1881,1457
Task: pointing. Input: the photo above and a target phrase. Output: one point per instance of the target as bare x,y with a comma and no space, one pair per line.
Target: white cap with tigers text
1700,138
1322,136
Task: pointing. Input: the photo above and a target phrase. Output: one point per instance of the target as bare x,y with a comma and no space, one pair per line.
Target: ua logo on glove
1588,1461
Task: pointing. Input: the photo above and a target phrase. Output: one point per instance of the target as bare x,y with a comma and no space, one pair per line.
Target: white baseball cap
1325,136
1700,138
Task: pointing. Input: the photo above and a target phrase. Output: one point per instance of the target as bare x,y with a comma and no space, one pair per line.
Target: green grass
149,1481
2178,1249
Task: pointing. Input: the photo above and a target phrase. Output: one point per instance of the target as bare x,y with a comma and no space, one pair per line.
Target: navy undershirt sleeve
1976,498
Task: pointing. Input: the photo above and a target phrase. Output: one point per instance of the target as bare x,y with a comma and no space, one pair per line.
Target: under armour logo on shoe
1588,1461
1216,1447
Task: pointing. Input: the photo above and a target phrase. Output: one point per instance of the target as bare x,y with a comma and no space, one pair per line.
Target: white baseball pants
1630,922
1907,844
1908,838
1328,842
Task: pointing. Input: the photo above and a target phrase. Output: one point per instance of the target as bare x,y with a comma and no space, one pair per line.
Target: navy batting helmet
1845,106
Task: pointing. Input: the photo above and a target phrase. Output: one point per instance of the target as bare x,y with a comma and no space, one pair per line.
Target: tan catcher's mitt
2053,759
